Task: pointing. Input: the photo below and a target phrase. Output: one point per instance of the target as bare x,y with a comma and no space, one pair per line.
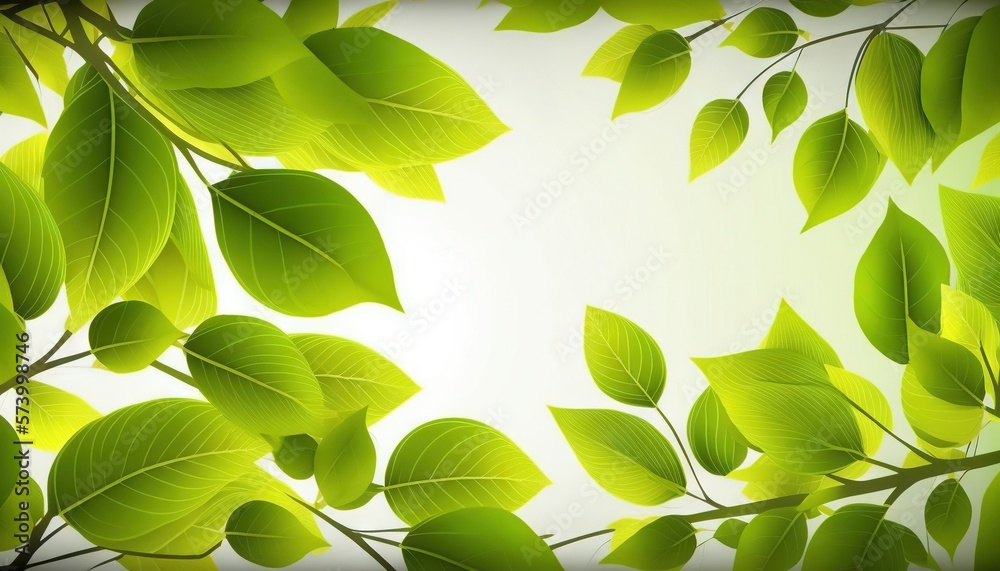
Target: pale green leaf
163,462
625,361
483,539
773,541
25,160
310,87
946,369
611,59
969,323
56,415
899,277
863,395
783,403
180,282
45,56
449,464
300,243
624,454
989,165
370,15
18,95
764,33
888,92
785,98
766,480
791,332
948,514
307,17
114,203
33,259
192,43
345,461
719,130
128,336
353,376
836,165
666,14
253,372
417,181
543,16
715,441
666,543
627,527
856,537
972,225
656,71
939,422
269,535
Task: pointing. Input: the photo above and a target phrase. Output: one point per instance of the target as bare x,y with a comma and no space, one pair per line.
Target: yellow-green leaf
25,160
128,336
765,33
544,16
417,181
56,415
989,165
306,17
18,95
666,14
656,71
612,58
972,225
789,331
624,361
368,16
719,130
785,98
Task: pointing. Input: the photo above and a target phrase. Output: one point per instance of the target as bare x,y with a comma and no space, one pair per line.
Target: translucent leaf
980,84
128,336
656,71
56,415
764,33
989,165
625,361
666,543
548,15
418,181
626,528
719,130
773,541
612,58
715,441
939,422
45,55
785,98
941,79
791,332
370,15
969,323
17,93
946,369
666,14
269,535
972,225
345,461
25,160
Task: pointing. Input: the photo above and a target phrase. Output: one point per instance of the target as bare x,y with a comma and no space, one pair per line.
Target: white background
527,253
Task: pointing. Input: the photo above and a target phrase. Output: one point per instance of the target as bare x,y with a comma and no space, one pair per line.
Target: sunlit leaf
856,537
656,71
863,394
941,80
773,541
625,361
46,56
666,543
548,15
664,15
611,59
306,17
418,181
969,323
791,332
25,160
715,441
946,369
370,15
17,93
765,33
345,461
989,165
269,535
627,527
972,225
128,336
56,415
785,98
980,85
719,130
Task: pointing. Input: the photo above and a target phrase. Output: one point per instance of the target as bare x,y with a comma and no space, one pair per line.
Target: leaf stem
993,377
357,538
920,453
167,369
42,363
718,23
581,538
66,556
680,443
882,464
22,559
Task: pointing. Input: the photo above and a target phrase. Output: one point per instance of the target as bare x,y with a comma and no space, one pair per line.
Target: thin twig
167,369
581,538
349,533
680,443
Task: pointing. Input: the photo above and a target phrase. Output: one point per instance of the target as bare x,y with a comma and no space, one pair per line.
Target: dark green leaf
625,361
301,244
296,456
306,17
666,543
773,541
981,83
821,8
656,71
252,371
856,537
269,535
128,336
624,454
948,514
899,277
987,546
730,532
484,539
715,441
946,369
345,461
941,79
450,464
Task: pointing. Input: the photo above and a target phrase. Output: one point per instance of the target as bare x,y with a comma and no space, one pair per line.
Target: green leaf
766,480
484,539
666,543
418,181
625,361
163,462
866,396
664,15
784,403
345,461
17,94
449,464
888,92
785,98
252,371
311,88
110,182
180,282
969,323
33,260
836,165
425,113
972,225
729,532
10,449
624,454
127,337
370,15
300,243
136,563
306,17
937,421
296,456
10,509
715,441
946,369
987,547
353,376
626,527
791,332
192,43
656,71
543,16
765,33
44,55
913,547
719,130
948,514
899,277
989,165
56,415
611,59
980,84
268,535
773,541
821,8
25,160
856,537
941,79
